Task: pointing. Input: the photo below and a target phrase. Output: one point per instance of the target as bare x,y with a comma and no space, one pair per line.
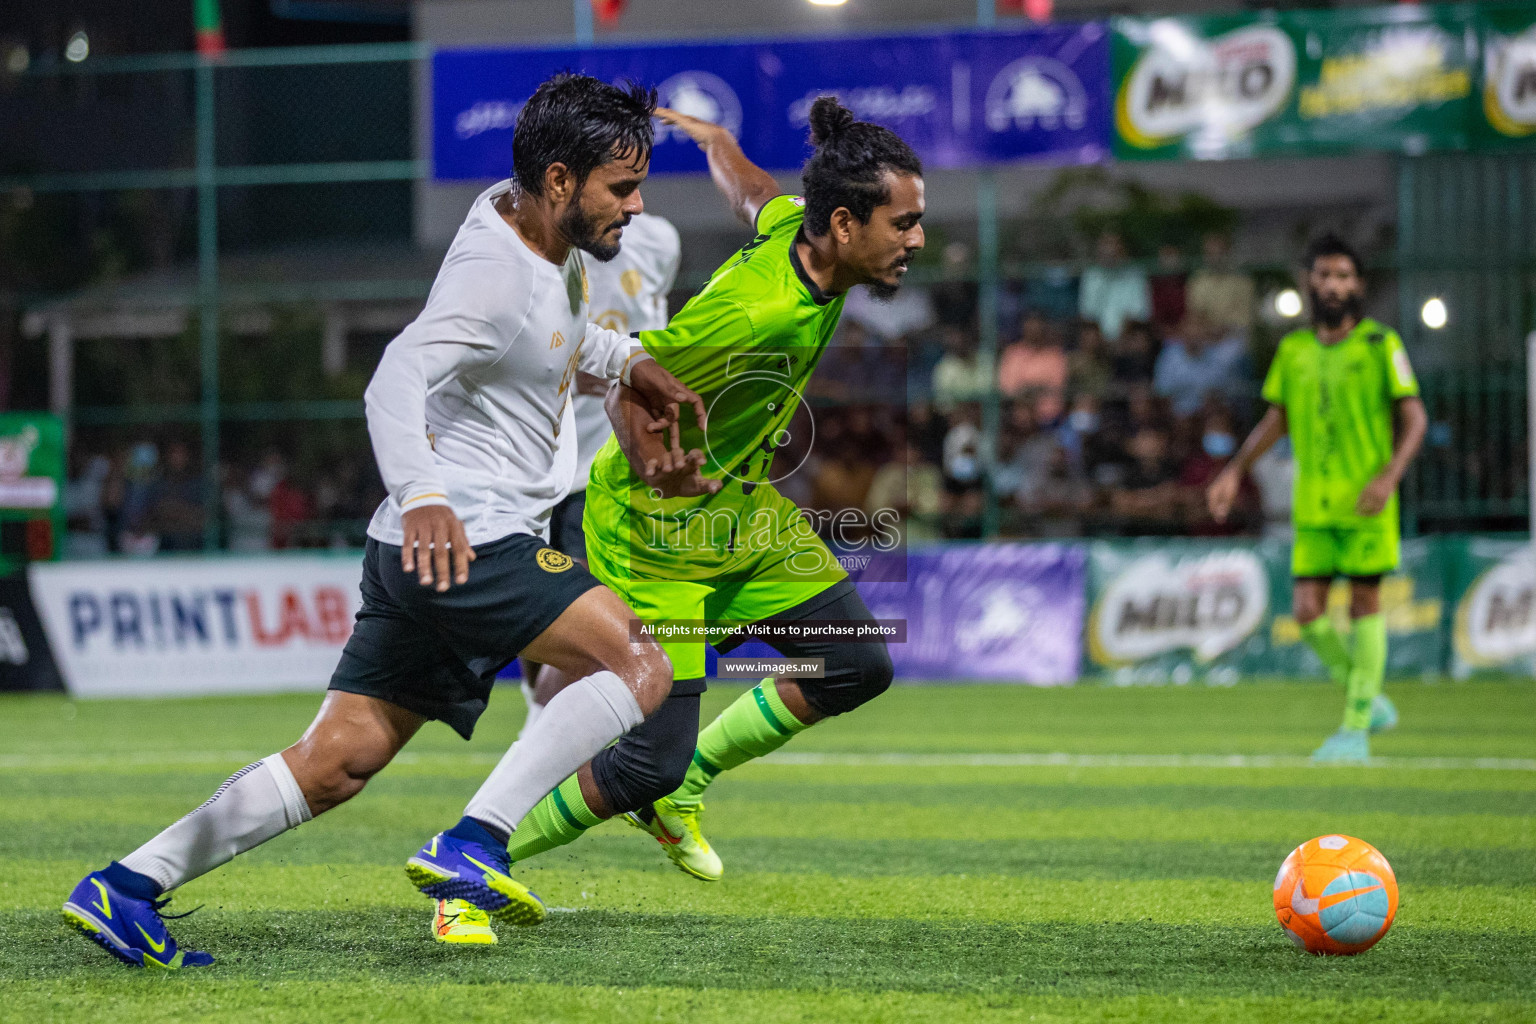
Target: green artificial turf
936,885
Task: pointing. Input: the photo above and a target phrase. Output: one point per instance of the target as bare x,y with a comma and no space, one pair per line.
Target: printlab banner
1009,612
959,98
1399,78
1177,611
235,625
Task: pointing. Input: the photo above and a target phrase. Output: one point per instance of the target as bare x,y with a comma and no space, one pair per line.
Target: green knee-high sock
757,723
560,818
1329,646
1370,668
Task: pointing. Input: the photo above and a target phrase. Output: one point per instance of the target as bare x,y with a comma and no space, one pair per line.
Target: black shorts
565,532
437,654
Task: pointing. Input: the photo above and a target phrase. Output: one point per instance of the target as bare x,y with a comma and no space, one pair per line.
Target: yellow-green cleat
449,868
462,923
676,828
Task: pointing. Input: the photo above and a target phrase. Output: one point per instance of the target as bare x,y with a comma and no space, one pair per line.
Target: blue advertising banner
960,99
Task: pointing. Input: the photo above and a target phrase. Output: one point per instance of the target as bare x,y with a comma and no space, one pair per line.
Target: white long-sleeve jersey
629,294
468,403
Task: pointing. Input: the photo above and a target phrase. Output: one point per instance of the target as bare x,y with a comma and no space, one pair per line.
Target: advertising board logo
487,116
1496,620
1509,91
702,95
882,104
1001,615
1036,92
1215,89
1158,604
17,490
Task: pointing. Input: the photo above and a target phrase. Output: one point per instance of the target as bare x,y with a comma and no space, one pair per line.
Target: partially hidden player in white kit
465,413
627,294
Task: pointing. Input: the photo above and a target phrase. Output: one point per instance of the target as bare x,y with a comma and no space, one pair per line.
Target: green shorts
776,562
1370,549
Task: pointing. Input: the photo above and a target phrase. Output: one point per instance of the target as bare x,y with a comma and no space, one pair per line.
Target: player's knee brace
650,760
855,675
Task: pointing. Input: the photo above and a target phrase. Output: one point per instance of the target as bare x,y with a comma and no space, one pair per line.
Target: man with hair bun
703,538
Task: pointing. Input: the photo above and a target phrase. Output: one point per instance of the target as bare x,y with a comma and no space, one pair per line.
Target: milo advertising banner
1509,73
1392,78
31,488
1494,627
1169,611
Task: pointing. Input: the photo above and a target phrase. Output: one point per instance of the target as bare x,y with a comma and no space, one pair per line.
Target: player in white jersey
628,294
465,412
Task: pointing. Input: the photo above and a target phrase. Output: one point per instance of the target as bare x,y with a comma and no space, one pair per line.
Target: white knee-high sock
581,720
257,803
535,709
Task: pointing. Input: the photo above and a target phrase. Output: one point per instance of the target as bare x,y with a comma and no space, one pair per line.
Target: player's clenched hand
1375,496
434,538
664,394
1222,493
676,474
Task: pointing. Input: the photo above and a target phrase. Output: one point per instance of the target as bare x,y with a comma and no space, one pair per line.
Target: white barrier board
197,626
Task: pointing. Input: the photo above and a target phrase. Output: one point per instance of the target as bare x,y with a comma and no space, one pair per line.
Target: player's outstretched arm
1223,491
1412,423
656,456
746,186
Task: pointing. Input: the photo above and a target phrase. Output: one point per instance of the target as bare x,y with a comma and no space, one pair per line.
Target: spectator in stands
1218,293
84,508
174,503
1168,289
1025,450
1134,357
925,428
1055,505
289,505
1274,473
1035,367
143,469
1090,369
1113,291
1218,443
1079,428
1147,500
914,488
248,522
961,375
1200,364
954,297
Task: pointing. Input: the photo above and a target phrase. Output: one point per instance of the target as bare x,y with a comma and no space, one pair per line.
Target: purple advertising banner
1007,612
1010,613
960,98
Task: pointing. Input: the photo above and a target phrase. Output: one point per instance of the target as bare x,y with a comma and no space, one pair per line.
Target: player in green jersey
691,528
1346,394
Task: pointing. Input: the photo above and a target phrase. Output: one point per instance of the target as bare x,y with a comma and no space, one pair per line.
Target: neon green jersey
747,343
1338,401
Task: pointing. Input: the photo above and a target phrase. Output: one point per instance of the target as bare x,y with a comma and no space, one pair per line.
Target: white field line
60,762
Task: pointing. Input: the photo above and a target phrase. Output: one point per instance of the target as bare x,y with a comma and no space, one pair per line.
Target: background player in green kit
1339,388
690,526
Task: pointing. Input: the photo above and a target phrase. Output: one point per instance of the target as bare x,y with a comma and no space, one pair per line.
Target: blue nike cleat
129,928
1383,714
1347,746
449,868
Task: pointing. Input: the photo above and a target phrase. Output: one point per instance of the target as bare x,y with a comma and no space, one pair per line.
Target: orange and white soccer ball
1336,895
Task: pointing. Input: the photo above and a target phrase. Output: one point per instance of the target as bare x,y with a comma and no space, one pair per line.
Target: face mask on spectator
964,468
1218,445
1083,421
